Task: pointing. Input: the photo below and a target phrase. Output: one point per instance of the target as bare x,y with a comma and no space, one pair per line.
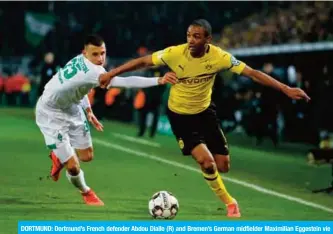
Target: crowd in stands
127,26
15,88
300,22
153,27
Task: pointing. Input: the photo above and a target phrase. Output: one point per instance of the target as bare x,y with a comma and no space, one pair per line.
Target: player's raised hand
296,94
94,121
169,77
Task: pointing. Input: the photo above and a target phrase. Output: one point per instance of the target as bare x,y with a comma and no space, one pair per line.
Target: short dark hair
93,39
204,24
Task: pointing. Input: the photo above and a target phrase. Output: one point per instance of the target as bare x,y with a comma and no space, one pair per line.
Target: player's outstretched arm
264,79
142,82
131,65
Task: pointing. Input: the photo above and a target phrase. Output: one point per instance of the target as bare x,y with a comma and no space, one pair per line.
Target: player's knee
73,169
87,157
202,155
222,163
209,166
223,167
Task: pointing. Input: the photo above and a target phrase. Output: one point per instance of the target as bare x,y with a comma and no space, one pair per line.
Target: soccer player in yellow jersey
190,111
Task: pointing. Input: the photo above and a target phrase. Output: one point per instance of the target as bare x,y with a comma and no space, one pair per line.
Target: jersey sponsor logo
196,80
234,61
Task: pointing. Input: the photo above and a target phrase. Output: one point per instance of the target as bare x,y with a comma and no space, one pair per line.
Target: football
163,205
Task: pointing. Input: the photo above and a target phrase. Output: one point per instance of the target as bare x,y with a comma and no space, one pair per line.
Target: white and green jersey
71,83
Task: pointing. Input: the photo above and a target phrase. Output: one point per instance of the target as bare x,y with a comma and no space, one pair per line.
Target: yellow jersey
192,93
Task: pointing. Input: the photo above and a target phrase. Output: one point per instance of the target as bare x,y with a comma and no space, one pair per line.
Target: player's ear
209,39
84,51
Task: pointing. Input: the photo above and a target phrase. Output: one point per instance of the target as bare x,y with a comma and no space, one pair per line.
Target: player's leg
223,165
215,139
62,152
64,155
218,146
75,176
68,158
190,140
222,162
80,140
53,127
210,172
86,154
214,180
56,167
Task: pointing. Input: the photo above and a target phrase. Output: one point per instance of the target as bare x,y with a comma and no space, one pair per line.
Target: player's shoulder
176,48
217,50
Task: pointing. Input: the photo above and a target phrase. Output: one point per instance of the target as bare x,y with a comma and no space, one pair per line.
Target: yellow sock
216,184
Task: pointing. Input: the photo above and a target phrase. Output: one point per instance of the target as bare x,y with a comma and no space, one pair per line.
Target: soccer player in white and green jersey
63,111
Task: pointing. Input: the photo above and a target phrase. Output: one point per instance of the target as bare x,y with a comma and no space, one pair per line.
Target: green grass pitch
125,173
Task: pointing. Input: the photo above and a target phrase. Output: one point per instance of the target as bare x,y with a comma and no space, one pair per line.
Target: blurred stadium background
270,135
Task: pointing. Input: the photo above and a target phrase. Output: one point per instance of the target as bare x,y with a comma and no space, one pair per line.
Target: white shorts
63,131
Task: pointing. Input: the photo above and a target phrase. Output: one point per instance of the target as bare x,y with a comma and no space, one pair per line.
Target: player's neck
198,54
201,53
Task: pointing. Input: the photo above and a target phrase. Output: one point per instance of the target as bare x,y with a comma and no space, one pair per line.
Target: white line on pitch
136,140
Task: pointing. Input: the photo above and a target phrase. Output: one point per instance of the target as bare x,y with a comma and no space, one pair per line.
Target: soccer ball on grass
163,205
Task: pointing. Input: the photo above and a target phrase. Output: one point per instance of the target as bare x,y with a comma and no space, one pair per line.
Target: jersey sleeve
94,74
229,62
164,57
133,82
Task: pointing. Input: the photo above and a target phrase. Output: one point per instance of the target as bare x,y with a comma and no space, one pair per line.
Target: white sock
78,181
